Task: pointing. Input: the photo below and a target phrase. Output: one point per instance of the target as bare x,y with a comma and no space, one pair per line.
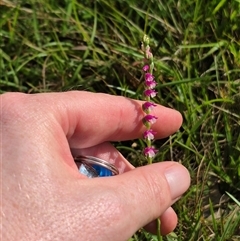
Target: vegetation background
53,45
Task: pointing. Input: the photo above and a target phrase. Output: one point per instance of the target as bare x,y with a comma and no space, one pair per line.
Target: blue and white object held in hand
95,167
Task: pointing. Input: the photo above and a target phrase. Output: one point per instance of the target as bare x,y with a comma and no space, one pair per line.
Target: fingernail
178,179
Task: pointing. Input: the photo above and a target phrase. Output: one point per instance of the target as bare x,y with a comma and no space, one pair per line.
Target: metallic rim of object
97,161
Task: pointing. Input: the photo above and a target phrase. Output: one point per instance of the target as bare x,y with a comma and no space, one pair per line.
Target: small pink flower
150,119
149,77
148,106
148,53
149,134
149,81
151,84
150,93
145,68
150,152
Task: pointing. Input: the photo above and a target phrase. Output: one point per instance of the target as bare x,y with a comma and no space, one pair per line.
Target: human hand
46,198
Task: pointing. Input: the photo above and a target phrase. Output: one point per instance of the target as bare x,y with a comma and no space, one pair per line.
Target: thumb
147,192
131,200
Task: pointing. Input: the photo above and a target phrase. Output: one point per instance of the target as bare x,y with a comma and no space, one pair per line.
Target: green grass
94,45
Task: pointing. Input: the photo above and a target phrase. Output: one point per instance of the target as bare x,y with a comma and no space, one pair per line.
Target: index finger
88,119
97,117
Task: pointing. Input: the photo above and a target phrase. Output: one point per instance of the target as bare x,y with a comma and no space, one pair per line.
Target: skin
44,197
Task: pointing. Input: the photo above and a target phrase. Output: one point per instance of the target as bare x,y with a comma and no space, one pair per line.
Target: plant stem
159,236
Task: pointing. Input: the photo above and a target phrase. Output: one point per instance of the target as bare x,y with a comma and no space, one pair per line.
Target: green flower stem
159,236
148,55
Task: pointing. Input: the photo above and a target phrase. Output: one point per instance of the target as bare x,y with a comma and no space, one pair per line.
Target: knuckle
12,106
20,108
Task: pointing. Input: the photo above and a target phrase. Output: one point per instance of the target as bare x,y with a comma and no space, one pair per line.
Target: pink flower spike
150,93
150,152
150,118
149,134
148,106
145,68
